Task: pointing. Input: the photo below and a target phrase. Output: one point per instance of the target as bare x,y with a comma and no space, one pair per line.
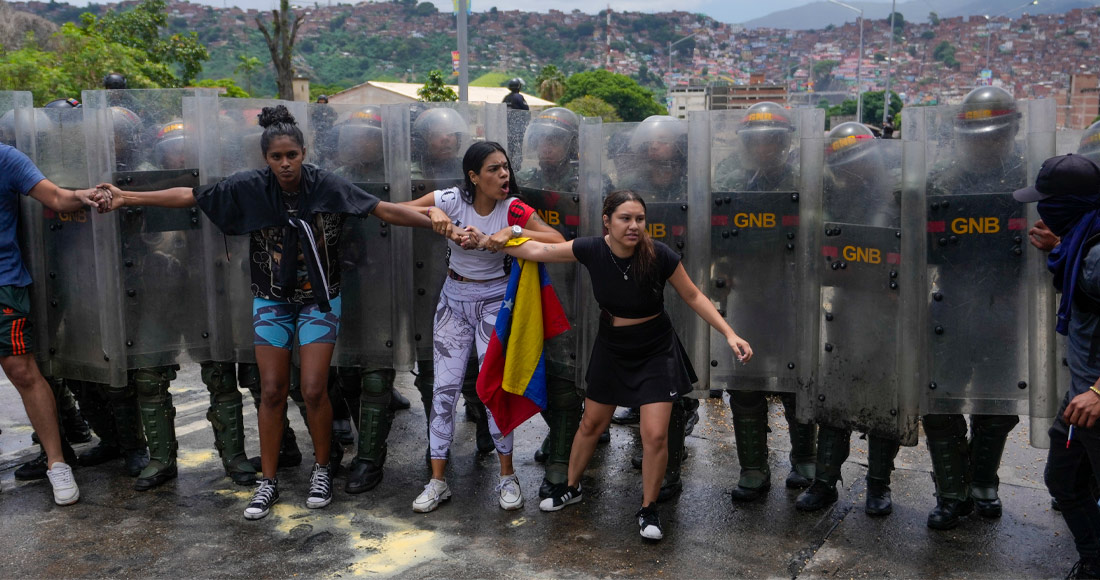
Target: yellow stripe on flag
525,338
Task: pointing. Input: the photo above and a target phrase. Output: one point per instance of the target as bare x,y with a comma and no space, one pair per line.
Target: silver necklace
618,267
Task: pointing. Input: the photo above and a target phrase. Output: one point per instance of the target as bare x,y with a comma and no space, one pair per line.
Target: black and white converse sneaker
320,487
563,495
265,496
649,523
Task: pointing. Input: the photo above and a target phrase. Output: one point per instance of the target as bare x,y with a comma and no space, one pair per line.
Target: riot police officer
986,160
855,171
552,135
657,165
114,81
766,164
514,99
1090,143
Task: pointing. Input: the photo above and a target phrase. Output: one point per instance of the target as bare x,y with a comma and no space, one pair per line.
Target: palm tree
550,83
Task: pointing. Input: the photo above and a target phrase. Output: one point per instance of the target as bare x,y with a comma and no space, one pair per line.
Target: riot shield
355,139
863,279
158,257
978,260
229,134
440,135
759,221
548,178
657,160
68,301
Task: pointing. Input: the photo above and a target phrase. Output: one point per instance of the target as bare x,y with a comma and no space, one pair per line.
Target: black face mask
1061,212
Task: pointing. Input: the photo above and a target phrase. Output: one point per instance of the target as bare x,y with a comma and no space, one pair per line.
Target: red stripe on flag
790,220
937,227
893,258
829,251
719,220
1017,224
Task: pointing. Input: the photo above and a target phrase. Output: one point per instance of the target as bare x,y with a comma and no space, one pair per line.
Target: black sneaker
564,495
33,470
320,487
649,523
265,496
1085,568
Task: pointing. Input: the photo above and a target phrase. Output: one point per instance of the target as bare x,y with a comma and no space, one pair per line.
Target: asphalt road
193,527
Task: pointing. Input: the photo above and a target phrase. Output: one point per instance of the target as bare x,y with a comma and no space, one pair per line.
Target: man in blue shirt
1068,191
19,176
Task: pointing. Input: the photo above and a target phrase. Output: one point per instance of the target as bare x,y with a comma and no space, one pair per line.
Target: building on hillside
721,96
1081,104
382,93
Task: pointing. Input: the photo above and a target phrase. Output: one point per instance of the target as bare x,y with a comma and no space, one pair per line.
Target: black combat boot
677,451
987,444
750,431
832,452
950,456
803,447
375,418
880,464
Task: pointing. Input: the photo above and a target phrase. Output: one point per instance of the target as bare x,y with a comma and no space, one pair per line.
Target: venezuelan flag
512,381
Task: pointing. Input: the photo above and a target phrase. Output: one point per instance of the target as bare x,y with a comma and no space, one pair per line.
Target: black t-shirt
615,284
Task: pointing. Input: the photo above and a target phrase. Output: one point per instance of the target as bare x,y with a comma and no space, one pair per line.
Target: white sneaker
511,496
436,492
65,491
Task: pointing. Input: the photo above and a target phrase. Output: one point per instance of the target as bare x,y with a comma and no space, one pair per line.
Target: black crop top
624,298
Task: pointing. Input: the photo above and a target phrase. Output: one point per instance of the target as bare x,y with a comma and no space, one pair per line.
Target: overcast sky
724,10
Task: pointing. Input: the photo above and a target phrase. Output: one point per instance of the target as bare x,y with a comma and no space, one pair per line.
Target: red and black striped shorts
16,330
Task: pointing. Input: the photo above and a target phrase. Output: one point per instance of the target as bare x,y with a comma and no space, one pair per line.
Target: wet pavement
193,527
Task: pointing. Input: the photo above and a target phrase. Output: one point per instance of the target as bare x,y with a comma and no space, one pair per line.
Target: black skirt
635,365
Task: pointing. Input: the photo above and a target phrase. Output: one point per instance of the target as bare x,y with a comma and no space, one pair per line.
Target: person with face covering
293,212
637,359
1067,190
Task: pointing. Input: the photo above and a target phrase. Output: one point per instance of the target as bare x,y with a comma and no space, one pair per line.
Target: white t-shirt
474,264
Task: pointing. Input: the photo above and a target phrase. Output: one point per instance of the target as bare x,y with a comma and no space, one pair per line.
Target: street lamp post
859,60
889,67
672,44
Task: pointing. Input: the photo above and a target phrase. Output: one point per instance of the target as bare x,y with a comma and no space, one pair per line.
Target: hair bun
276,115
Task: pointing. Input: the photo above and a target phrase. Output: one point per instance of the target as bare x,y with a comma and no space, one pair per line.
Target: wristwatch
517,231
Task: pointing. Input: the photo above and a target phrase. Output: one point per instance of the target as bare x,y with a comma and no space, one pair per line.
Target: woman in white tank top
471,298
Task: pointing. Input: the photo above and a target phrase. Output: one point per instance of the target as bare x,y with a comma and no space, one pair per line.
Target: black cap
1063,175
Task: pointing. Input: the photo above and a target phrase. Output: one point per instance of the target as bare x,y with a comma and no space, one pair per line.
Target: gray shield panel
978,260
758,221
230,137
548,183
157,261
864,286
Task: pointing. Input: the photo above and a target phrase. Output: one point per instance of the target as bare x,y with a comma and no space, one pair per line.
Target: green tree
140,29
631,101
899,22
280,43
247,66
230,86
550,83
945,53
872,107
934,18
589,106
435,91
823,71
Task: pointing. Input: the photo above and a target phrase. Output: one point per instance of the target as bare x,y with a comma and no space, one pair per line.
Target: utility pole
463,54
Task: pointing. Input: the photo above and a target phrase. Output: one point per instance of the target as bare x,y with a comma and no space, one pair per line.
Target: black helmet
359,137
114,81
69,103
765,132
556,124
322,99
1090,143
515,85
986,124
170,149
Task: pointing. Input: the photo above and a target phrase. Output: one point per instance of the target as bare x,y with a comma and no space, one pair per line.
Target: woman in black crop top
637,359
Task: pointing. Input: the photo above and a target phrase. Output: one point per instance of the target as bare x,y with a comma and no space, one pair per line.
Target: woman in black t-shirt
637,359
293,212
